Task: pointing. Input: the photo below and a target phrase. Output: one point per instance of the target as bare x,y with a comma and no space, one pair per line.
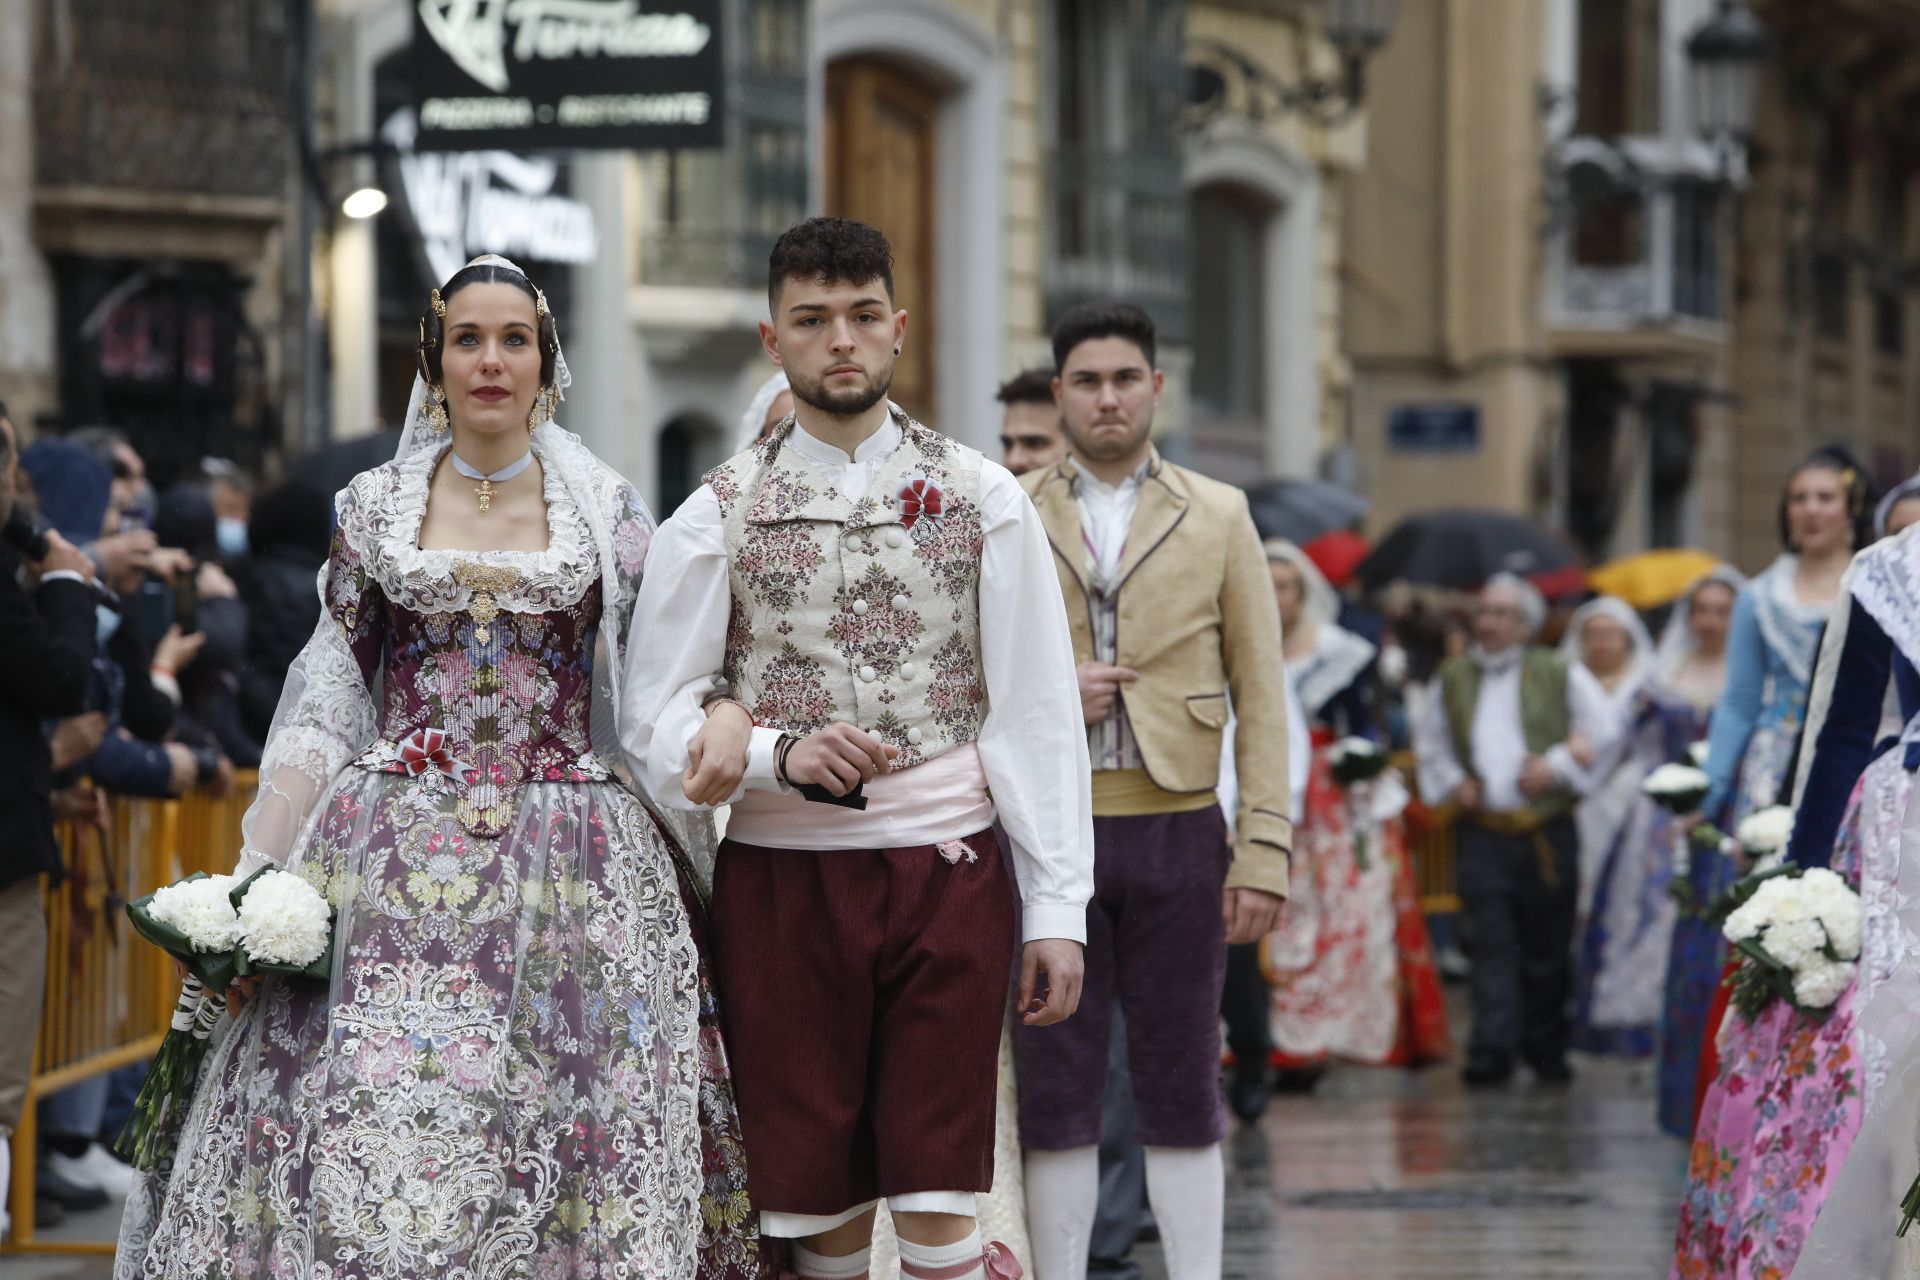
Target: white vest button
908,671
914,735
896,537
859,608
867,674
853,542
900,604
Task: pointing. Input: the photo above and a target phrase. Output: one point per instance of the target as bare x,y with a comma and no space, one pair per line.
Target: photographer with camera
46,653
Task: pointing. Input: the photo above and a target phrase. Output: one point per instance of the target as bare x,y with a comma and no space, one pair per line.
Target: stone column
28,321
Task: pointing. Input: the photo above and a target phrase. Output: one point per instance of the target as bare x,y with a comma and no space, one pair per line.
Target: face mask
230,534
105,623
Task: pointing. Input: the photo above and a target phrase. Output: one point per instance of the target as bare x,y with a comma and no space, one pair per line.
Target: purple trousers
1157,943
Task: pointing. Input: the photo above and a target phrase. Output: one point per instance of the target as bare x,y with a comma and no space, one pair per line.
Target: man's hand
1100,688
839,758
717,759
76,738
186,767
123,551
166,562
176,651
1063,964
1537,778
1580,747
1468,794
210,582
1250,914
81,802
64,557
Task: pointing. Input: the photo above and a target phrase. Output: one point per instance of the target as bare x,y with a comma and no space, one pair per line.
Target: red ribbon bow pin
1001,1264
919,498
425,749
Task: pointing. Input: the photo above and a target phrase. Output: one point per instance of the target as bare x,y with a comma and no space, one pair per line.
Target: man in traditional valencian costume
855,638
1174,625
1508,734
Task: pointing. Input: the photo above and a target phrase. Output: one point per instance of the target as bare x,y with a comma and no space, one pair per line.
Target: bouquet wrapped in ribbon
219,930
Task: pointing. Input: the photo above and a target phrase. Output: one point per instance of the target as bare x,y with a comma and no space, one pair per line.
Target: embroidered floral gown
516,1069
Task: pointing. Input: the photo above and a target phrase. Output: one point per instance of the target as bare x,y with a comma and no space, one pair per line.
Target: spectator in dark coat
289,534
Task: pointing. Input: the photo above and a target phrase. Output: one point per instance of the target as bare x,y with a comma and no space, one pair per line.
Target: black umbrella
1462,549
1302,510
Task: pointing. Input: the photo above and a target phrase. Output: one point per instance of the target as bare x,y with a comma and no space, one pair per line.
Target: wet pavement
1387,1175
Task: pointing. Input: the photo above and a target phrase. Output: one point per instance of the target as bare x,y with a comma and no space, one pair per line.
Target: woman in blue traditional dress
1623,951
1825,514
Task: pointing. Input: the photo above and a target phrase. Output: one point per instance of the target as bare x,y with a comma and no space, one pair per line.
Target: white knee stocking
1187,1187
1063,1188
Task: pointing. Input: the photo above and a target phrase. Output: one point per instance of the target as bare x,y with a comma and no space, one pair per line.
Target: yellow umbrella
1652,578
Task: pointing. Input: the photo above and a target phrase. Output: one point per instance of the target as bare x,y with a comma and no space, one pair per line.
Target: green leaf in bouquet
1680,889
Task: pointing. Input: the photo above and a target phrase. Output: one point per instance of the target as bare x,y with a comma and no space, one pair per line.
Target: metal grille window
164,95
715,214
1830,279
1117,224
1696,252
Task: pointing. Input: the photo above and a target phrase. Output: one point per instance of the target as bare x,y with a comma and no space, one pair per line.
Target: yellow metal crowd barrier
1430,846
109,994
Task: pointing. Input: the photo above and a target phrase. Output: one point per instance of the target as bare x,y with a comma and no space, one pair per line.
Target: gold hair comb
439,305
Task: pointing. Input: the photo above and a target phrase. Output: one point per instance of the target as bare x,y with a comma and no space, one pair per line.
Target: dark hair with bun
1862,495
432,327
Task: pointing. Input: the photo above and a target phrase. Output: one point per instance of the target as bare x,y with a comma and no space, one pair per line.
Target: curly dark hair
1091,320
835,250
432,330
1862,493
1029,386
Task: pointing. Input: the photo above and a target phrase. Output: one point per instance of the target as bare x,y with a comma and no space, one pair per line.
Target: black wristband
206,763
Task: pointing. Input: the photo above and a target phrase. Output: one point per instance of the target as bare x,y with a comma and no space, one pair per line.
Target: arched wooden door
880,169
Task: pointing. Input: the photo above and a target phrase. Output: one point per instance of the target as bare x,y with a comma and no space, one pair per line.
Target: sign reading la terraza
567,74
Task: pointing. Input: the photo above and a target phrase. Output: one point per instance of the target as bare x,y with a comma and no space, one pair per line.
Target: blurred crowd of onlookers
203,593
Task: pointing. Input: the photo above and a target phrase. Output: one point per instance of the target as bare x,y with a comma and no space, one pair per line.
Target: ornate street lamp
1726,52
1355,28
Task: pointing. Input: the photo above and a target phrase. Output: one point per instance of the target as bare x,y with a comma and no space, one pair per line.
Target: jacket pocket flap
1210,709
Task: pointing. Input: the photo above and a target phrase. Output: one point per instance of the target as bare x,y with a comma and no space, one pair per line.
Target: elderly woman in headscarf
1500,739
1351,968
1665,696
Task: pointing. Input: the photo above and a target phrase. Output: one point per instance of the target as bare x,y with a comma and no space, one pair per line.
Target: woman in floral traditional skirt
516,1068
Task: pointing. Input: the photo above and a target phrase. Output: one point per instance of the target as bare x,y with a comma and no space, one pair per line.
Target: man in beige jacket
1173,620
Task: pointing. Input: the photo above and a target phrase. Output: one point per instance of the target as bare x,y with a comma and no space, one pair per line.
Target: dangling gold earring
542,410
436,411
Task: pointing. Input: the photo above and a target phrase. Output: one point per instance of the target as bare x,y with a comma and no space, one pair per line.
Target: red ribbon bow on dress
919,497
425,749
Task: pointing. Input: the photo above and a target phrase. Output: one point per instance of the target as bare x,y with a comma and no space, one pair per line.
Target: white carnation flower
284,920
1675,779
1819,985
1767,831
1697,753
200,910
1795,943
1745,921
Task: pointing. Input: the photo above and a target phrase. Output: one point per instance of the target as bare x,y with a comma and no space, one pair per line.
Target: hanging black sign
567,74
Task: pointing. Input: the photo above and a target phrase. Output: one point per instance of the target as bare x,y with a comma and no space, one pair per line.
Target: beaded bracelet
720,698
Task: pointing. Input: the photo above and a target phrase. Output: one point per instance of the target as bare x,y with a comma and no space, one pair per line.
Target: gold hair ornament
439,305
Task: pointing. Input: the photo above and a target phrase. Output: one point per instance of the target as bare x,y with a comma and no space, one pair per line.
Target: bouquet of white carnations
271,922
1357,762
1681,789
1798,933
1697,754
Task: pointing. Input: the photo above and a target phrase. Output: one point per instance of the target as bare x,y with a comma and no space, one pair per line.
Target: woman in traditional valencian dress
1824,514
1623,950
1792,1088
515,1069
1351,967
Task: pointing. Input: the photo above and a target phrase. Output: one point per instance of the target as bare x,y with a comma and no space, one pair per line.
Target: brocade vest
1546,717
864,612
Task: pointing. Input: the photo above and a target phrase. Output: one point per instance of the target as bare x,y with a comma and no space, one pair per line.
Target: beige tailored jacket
1198,621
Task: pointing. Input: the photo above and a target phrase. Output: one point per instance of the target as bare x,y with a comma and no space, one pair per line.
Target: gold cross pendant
485,493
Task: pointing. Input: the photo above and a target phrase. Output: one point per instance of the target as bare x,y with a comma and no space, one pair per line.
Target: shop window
1620,46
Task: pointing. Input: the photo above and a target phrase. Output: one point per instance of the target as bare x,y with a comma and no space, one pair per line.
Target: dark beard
842,404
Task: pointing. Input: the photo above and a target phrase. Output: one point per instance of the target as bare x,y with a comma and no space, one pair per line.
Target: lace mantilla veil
327,714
